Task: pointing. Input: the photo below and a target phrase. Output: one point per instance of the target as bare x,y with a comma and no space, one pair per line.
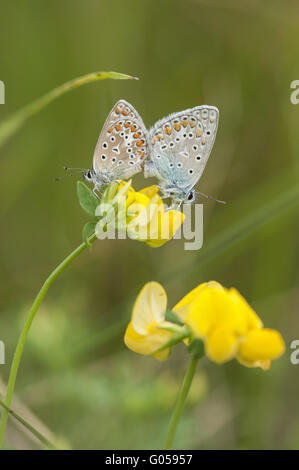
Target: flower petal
182,307
136,203
261,346
149,308
150,191
149,343
164,226
221,345
213,308
251,318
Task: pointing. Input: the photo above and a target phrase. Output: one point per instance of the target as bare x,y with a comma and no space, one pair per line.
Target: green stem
23,336
27,425
185,387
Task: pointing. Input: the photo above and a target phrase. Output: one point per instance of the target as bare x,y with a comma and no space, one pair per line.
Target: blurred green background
77,380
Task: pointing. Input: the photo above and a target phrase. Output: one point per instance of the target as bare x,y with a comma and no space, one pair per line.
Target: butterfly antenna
75,170
211,197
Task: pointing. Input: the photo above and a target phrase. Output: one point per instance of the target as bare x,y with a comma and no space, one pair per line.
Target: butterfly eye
88,175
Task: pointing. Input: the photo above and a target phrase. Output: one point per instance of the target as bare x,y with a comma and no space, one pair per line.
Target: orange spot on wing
125,113
184,122
118,127
168,130
158,137
117,111
192,123
110,130
198,132
133,128
137,135
139,143
177,126
141,154
127,124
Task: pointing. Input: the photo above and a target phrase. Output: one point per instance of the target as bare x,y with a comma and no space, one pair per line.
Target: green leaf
88,201
16,120
197,348
88,230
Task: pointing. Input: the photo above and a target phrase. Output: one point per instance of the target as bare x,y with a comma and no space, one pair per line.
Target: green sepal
196,348
173,318
88,201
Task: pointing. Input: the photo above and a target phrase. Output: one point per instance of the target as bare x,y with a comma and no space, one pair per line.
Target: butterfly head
191,196
89,176
179,195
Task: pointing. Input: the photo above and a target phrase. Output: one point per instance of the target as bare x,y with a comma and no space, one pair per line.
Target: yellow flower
140,214
228,326
148,331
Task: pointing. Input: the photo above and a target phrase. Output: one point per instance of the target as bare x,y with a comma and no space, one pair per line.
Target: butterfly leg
175,206
95,192
151,189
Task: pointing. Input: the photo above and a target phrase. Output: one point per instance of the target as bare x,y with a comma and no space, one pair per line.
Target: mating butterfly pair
175,150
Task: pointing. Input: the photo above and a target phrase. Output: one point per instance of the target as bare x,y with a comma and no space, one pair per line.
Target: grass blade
28,426
13,123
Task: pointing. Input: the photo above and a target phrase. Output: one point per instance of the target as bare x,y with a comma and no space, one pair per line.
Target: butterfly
121,147
179,147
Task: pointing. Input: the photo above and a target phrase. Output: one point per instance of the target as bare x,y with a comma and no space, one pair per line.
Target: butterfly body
121,147
180,145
